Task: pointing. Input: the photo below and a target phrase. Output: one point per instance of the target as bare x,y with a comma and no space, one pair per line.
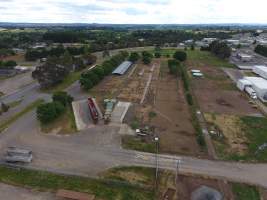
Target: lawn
134,175
135,143
102,188
245,192
207,58
243,131
65,124
256,131
12,119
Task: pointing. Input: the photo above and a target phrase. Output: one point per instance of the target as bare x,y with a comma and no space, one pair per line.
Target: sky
134,11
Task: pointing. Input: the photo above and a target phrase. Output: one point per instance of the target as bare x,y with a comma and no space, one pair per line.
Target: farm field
215,92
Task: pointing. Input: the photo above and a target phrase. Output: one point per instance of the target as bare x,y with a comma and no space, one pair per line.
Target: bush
134,56
180,55
157,55
99,71
4,107
86,83
147,60
48,112
62,97
189,99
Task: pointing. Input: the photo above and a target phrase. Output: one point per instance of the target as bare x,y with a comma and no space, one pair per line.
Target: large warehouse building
260,86
261,70
122,68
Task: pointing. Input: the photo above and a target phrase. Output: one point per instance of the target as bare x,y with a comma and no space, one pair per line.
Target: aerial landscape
133,100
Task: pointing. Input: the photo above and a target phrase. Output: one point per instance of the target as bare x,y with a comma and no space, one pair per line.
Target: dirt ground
216,93
188,184
173,120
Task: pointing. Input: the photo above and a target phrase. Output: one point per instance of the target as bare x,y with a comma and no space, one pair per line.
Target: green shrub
189,99
48,112
62,97
180,55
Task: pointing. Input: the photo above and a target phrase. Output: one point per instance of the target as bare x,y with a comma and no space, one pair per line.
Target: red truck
93,110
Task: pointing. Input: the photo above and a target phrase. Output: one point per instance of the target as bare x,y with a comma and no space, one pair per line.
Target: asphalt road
92,151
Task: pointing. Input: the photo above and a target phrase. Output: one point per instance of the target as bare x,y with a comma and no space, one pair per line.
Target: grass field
255,130
7,122
245,131
207,58
102,188
131,142
245,192
134,175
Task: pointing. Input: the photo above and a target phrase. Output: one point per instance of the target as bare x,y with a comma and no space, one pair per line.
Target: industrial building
260,86
244,57
122,68
261,70
245,67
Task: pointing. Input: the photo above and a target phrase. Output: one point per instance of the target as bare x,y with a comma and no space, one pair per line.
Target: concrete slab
120,111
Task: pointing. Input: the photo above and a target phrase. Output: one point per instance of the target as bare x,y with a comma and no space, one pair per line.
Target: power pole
157,161
177,171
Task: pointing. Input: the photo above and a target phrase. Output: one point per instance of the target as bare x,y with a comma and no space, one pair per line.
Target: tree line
262,50
90,78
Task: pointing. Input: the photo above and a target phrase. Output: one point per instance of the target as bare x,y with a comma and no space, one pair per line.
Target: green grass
70,79
255,129
245,192
206,58
14,103
132,142
135,175
104,189
12,119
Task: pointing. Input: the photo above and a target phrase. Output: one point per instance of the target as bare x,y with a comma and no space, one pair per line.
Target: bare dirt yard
173,119
217,94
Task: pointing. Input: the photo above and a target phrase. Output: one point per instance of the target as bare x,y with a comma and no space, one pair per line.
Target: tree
220,49
173,67
98,70
48,112
192,47
180,55
62,97
147,60
4,107
86,83
134,56
67,61
10,63
50,73
157,55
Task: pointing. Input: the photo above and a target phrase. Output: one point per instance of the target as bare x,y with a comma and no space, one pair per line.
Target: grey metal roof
122,68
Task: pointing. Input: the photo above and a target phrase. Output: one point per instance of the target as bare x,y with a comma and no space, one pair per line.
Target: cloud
136,12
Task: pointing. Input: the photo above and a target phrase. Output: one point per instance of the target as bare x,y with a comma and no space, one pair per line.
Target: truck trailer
93,110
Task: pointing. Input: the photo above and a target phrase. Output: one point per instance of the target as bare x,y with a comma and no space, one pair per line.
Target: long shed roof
122,68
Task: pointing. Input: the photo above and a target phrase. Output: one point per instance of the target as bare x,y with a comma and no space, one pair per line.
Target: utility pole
157,161
177,171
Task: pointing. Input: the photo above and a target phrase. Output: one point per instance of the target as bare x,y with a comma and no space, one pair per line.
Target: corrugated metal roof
122,68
